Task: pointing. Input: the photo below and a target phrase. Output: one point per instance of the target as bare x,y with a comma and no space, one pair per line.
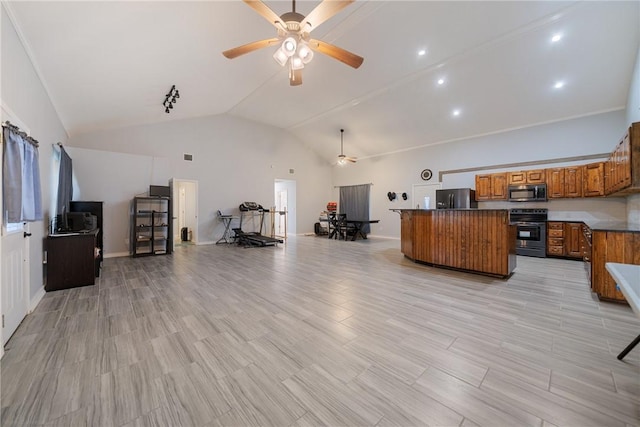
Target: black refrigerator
456,198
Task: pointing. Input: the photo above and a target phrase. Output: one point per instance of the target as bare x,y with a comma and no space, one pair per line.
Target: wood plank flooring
322,332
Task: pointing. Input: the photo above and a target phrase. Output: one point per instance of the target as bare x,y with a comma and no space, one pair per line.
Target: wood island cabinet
470,239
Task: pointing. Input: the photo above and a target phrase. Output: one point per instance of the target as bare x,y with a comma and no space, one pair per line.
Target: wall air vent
188,157
291,171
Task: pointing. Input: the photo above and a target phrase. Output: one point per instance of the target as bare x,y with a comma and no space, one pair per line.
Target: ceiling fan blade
249,47
266,13
350,159
335,52
322,12
295,78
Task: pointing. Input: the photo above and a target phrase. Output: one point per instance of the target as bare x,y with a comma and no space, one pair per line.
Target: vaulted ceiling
109,64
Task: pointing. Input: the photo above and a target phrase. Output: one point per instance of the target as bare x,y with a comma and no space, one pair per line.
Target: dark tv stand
95,208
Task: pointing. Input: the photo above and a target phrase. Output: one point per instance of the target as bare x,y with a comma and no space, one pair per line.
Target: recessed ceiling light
556,37
456,113
558,85
441,81
422,52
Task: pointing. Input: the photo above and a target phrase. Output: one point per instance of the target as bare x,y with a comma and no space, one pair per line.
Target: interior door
15,277
15,261
281,205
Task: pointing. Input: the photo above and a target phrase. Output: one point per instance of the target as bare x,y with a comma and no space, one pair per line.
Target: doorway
424,195
185,211
285,200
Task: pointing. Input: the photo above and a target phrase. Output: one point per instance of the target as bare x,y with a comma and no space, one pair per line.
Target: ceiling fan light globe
305,53
280,57
289,46
296,63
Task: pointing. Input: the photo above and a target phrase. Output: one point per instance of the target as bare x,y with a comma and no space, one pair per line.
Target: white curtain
22,196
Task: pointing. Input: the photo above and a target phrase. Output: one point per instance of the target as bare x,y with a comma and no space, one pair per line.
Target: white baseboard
116,254
36,299
207,242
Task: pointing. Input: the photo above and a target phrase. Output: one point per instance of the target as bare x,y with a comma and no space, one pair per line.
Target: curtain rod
23,134
340,186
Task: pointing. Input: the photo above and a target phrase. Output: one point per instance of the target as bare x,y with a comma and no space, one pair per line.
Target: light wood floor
322,332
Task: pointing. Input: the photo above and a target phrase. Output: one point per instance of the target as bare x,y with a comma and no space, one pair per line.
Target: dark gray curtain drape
22,195
354,201
65,185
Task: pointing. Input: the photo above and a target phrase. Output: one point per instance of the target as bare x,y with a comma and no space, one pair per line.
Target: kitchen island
476,240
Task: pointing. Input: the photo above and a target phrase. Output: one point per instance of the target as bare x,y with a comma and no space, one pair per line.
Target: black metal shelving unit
151,226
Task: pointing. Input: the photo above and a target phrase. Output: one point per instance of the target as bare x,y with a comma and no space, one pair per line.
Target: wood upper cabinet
483,187
536,176
519,177
555,183
491,186
612,246
593,180
573,177
499,186
618,170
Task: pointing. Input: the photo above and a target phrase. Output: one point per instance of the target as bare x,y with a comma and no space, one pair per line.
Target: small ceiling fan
342,159
296,46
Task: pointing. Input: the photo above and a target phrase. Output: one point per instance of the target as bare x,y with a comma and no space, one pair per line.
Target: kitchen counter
613,226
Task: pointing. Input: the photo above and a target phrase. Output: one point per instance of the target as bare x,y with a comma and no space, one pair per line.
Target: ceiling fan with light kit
342,159
296,46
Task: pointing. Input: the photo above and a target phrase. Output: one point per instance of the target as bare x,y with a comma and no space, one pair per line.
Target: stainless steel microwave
528,193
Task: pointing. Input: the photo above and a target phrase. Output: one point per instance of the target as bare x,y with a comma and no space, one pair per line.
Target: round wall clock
426,174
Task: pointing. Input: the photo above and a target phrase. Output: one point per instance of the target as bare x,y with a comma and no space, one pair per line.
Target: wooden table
627,276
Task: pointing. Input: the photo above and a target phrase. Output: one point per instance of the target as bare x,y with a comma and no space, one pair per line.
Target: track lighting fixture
170,99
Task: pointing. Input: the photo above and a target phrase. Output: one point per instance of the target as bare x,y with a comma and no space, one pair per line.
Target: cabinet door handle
26,234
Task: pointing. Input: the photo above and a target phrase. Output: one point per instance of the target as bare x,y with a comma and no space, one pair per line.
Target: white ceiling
109,64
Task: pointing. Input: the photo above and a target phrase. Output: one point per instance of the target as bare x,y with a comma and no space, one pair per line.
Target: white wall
22,92
633,115
398,172
234,160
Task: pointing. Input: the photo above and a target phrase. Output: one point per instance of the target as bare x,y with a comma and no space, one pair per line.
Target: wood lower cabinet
593,180
611,246
573,240
475,240
565,239
555,238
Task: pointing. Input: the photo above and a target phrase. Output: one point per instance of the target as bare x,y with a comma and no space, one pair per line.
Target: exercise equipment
253,238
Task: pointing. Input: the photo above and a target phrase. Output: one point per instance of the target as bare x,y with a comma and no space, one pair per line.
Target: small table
627,276
226,220
356,226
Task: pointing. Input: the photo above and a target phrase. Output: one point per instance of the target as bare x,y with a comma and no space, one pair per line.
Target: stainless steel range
531,226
